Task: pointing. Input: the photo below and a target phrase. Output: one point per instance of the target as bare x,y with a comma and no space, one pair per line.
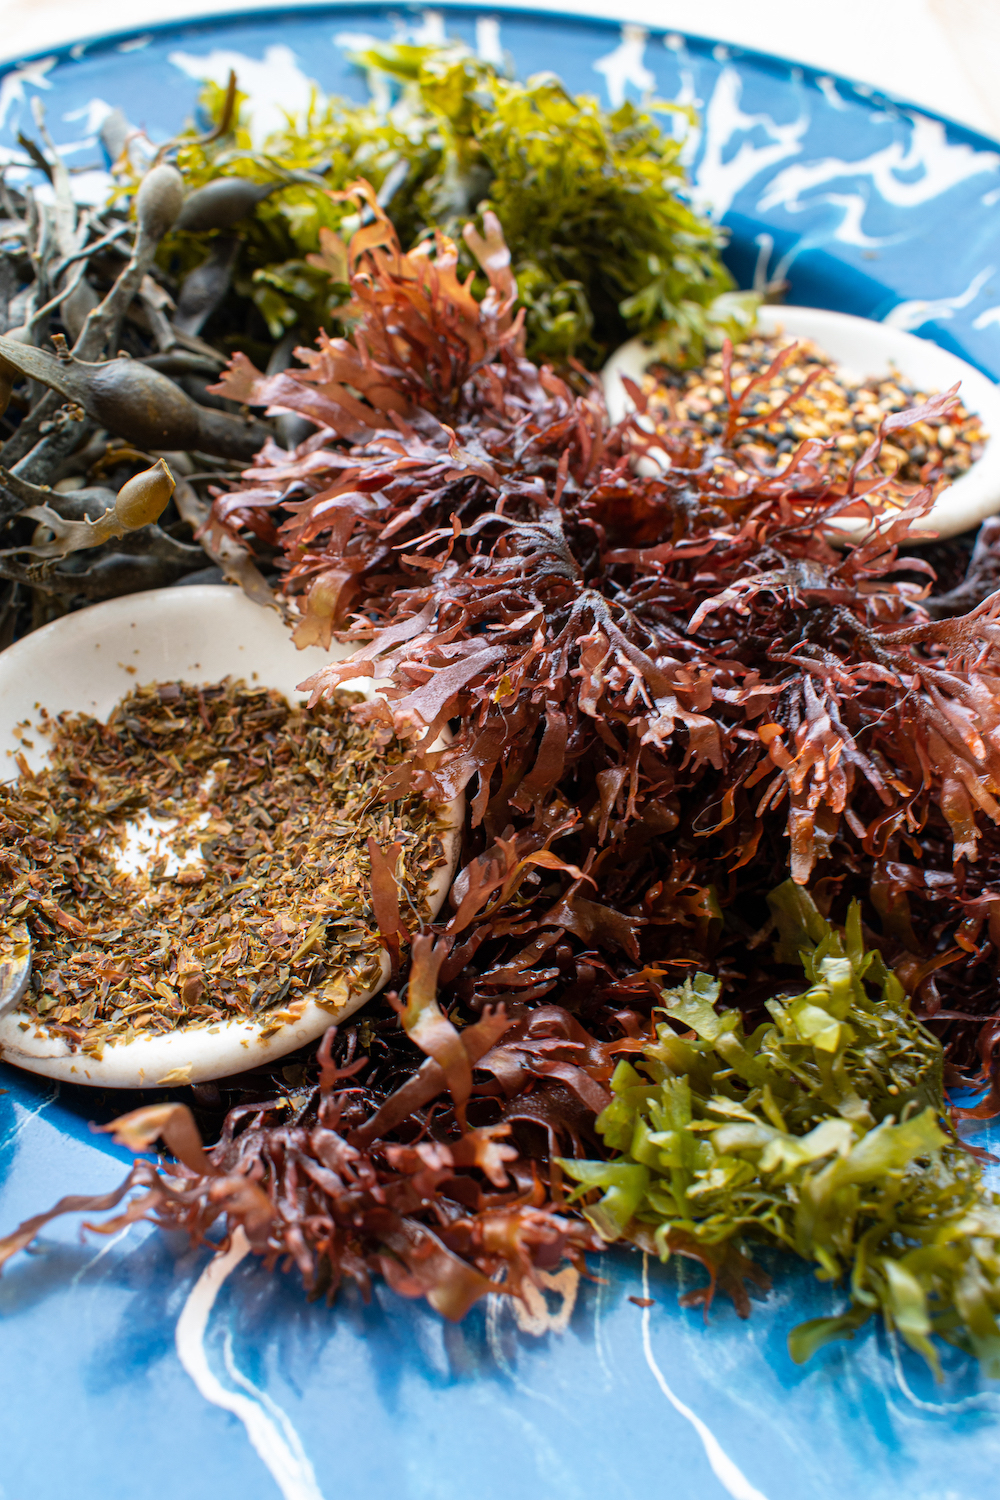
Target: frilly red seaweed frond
419,334
437,1215
661,659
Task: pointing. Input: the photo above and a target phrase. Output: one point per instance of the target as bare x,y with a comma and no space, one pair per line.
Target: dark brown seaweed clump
450,1215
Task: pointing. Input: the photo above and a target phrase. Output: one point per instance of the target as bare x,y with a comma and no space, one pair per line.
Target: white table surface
943,54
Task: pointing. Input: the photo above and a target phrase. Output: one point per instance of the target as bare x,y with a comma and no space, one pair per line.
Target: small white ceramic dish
862,348
85,663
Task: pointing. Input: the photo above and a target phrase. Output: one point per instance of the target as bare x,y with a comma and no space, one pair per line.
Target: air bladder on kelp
133,401
139,502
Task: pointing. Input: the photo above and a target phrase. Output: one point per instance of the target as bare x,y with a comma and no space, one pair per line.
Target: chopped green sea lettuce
603,243
824,1131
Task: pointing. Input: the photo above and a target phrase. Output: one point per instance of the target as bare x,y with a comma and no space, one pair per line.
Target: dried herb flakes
258,893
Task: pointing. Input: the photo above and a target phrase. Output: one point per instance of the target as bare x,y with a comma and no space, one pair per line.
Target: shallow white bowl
862,348
85,663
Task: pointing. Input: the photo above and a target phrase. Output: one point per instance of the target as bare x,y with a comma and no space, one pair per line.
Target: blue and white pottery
137,1368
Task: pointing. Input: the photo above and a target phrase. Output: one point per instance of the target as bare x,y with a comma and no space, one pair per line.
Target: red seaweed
665,690
666,676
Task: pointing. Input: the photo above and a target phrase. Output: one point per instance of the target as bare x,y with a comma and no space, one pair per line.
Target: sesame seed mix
201,857
830,408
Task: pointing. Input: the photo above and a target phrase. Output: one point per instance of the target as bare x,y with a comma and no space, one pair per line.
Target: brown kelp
90,416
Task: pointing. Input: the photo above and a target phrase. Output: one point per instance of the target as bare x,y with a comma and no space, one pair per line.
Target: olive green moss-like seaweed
602,242
823,1131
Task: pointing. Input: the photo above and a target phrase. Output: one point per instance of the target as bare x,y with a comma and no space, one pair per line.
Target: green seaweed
603,244
824,1131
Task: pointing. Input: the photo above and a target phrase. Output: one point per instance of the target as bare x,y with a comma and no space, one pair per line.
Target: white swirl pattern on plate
274,1439
810,161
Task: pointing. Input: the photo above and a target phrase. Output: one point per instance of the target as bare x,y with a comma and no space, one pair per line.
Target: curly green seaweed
825,1132
602,242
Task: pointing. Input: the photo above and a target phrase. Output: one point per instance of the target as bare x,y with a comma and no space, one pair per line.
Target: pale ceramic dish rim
190,1054
864,347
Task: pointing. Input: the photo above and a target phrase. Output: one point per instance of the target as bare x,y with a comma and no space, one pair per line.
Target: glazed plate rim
867,94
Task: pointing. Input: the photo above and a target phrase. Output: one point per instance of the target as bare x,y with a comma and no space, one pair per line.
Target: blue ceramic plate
134,1367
